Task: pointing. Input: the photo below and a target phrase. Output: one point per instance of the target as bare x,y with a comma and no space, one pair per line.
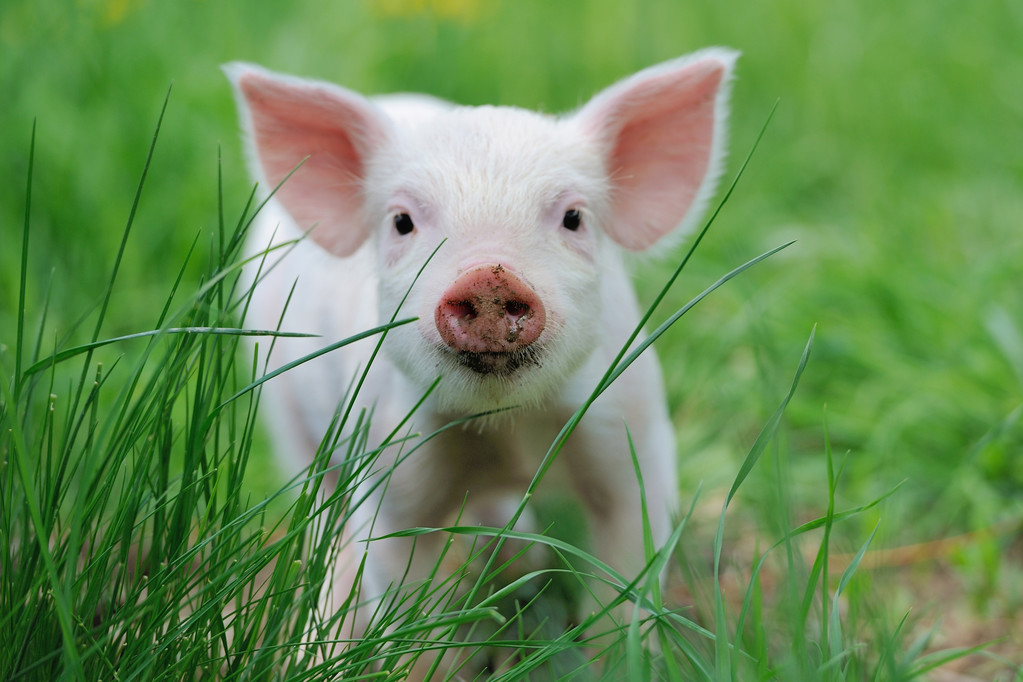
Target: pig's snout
489,310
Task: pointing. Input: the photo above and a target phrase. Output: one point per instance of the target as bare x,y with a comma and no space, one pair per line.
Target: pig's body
487,466
532,207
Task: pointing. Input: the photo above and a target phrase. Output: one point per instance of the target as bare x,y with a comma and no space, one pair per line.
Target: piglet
519,312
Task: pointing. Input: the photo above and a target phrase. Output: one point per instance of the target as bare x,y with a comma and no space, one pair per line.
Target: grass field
895,159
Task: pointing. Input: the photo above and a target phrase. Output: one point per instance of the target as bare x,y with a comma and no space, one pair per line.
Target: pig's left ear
662,132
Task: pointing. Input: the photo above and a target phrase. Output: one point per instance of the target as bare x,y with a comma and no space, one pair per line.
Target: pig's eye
403,224
572,220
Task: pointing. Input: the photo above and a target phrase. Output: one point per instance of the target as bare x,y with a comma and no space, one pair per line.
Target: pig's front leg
605,480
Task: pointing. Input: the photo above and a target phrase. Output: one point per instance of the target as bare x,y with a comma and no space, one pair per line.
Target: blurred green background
895,159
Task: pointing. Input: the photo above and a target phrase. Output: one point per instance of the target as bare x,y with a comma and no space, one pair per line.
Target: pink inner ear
332,134
661,130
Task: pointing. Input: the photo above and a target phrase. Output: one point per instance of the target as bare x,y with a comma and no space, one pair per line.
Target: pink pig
524,305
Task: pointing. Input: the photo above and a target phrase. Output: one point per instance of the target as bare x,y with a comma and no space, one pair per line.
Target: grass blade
20,331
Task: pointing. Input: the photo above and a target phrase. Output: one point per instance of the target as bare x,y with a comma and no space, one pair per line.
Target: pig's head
531,210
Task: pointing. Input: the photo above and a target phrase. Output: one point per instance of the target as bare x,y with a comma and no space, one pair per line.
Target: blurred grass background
895,159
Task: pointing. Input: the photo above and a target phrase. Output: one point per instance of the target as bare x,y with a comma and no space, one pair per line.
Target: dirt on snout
498,313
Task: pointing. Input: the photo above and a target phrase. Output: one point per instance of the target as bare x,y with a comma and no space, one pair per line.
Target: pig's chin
497,364
481,382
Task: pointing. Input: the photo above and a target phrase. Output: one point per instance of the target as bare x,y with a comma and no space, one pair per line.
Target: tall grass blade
22,286
57,589
75,351
724,652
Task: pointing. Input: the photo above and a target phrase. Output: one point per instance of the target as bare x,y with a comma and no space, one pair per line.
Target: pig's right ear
662,134
327,133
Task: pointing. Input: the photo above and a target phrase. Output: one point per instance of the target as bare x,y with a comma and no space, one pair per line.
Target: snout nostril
516,309
462,310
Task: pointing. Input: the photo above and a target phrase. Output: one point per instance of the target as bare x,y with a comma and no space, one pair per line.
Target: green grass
134,551
892,161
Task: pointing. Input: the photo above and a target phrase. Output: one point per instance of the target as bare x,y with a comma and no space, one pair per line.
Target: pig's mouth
497,363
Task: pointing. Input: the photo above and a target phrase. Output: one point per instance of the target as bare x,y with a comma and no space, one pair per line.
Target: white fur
494,183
